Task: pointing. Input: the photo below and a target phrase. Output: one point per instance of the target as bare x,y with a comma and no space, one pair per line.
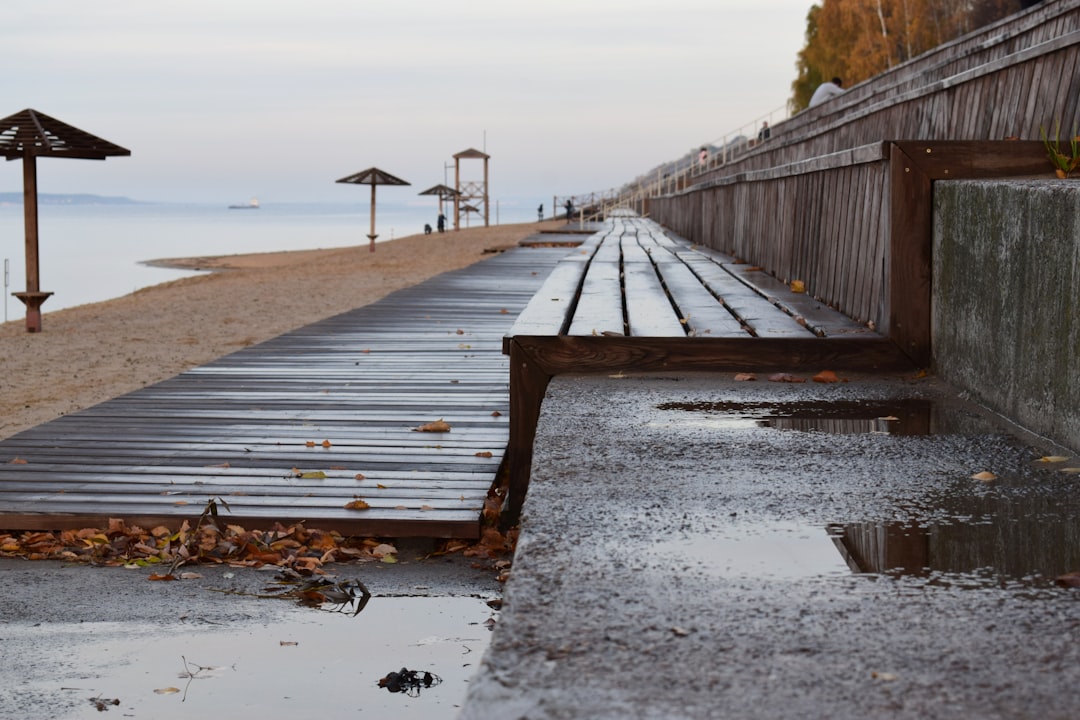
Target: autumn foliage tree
857,39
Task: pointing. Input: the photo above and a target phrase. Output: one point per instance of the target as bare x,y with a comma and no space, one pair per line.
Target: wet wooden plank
238,428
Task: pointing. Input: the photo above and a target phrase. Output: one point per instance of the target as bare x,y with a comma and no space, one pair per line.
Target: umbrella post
372,235
32,297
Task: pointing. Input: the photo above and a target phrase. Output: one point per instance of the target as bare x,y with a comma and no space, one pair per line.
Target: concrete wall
1006,298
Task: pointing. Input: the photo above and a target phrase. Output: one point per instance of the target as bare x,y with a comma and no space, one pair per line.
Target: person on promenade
540,212
826,91
764,132
427,228
703,156
442,223
569,209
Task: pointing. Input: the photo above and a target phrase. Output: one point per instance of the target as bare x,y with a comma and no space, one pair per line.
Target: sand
91,353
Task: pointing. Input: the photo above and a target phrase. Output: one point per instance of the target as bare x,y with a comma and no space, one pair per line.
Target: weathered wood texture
677,308
827,200
239,428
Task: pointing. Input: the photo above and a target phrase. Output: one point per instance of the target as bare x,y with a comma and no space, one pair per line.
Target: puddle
773,550
899,417
1010,555
307,665
1016,552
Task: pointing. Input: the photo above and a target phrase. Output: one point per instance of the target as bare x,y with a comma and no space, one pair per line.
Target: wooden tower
472,195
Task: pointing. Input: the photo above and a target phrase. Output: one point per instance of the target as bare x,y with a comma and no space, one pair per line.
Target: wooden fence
840,196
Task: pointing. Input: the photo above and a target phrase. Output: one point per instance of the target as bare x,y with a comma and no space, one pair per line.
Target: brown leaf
166,577
798,286
310,443
1068,580
326,443
745,377
484,454
785,378
985,476
357,505
436,426
826,376
359,476
496,413
17,461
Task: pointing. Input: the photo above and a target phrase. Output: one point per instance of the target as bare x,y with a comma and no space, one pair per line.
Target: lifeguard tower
471,194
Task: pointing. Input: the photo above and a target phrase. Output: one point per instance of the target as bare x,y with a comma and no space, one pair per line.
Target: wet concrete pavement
695,547
72,633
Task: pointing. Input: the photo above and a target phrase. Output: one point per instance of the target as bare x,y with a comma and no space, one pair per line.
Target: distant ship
252,204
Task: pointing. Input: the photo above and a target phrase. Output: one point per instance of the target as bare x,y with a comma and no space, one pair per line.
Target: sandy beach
91,353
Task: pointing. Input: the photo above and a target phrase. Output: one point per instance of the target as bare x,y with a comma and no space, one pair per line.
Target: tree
858,39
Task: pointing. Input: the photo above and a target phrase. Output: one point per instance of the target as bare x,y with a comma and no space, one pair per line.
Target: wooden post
372,235
32,297
528,385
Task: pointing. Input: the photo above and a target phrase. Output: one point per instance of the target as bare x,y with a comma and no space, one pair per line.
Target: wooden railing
840,195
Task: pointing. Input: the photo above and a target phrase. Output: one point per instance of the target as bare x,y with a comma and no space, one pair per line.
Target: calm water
90,253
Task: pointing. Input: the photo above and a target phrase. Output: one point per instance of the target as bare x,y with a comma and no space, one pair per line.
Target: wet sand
92,353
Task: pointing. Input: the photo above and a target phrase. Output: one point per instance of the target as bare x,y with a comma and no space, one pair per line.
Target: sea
94,252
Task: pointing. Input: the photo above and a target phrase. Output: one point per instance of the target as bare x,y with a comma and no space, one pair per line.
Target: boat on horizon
252,204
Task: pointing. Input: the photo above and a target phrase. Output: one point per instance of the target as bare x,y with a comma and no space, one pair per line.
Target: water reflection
1028,551
896,417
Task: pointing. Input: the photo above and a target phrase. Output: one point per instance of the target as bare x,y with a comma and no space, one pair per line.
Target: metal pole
7,284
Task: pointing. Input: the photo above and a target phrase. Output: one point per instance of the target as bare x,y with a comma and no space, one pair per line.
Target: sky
222,100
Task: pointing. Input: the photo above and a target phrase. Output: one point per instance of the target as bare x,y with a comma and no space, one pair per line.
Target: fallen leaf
310,443
426,507
785,378
1052,459
679,632
357,505
745,377
436,426
190,576
484,454
1071,470
167,691
288,643
313,475
17,461
884,677
496,413
798,286
157,577
359,476
326,443
985,476
826,376
1068,580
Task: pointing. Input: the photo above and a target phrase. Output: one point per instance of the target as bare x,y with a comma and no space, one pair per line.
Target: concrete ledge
1006,299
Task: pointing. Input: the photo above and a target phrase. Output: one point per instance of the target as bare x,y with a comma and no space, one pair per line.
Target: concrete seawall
1006,298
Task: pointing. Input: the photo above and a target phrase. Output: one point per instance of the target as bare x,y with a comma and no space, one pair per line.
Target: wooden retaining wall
840,196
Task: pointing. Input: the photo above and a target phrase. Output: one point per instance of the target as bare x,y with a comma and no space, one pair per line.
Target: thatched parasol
445,192
372,176
29,135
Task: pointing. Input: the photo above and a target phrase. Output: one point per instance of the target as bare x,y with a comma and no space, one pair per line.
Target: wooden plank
599,308
649,312
702,312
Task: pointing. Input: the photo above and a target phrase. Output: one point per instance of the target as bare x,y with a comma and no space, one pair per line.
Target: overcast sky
220,100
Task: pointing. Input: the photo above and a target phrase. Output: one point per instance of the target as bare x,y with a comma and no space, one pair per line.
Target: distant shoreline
16,198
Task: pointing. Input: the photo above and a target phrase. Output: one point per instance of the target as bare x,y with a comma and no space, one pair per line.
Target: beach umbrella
372,176
445,192
28,135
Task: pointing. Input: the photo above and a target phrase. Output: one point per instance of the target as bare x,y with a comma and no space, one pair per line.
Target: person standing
540,212
569,209
442,223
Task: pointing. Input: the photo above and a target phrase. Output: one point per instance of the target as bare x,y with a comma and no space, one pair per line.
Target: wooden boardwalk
295,428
